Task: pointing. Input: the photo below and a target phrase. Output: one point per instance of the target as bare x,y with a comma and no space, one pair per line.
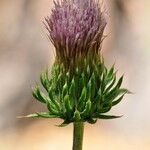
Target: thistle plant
79,88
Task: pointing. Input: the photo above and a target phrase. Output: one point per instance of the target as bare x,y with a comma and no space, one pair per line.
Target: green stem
78,135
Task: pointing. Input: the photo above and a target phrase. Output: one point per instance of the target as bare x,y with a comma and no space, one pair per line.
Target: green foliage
85,91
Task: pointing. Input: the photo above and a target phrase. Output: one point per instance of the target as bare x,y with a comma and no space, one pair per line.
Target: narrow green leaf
103,86
111,71
98,99
65,90
83,81
53,98
89,89
37,94
40,115
45,80
28,116
117,101
78,71
92,121
114,94
125,91
60,82
111,85
77,116
87,109
93,86
47,115
64,124
98,96
68,104
72,89
108,117
105,109
68,77
52,108
88,70
83,95
119,82
82,99
109,76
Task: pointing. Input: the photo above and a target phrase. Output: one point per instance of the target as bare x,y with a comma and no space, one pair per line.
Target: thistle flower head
75,28
88,90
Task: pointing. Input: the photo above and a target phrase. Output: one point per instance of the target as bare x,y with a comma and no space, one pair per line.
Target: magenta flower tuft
75,27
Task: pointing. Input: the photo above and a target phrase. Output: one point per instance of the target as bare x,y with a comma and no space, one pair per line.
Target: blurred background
25,52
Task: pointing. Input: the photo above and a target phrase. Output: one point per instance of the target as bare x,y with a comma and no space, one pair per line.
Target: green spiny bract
85,91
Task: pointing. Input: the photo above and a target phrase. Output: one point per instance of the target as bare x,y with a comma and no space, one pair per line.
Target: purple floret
75,27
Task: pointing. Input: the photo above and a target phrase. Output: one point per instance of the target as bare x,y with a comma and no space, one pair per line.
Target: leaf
72,89
110,86
98,96
83,95
83,79
89,88
52,108
77,116
45,80
87,109
119,82
64,124
53,99
105,109
117,101
108,117
55,71
99,69
114,91
78,71
92,121
47,115
28,116
111,71
68,76
108,76
68,104
114,94
124,91
93,85
103,84
110,96
40,115
65,90
82,99
59,81
37,94
88,70
98,100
